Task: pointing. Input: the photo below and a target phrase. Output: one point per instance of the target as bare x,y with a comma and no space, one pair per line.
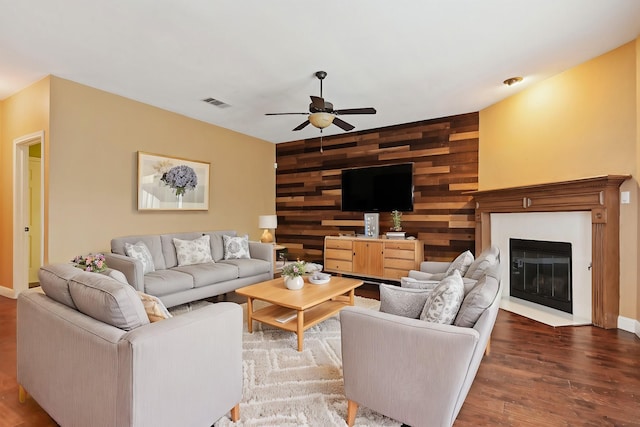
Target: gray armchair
413,371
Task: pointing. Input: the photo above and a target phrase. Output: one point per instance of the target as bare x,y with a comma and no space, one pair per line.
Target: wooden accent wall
445,156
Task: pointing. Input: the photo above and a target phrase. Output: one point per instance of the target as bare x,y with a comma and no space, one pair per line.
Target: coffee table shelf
311,305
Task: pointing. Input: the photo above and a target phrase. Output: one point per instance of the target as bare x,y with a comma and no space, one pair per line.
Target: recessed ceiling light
512,80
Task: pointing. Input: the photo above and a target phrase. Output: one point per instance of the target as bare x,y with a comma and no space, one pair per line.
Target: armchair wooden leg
22,394
352,409
235,413
487,351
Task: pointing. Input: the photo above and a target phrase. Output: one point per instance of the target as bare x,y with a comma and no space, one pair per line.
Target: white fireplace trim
572,227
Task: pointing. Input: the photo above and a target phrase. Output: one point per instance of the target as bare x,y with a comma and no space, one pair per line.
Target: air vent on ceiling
216,102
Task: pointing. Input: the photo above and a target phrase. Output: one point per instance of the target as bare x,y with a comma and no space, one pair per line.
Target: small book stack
395,234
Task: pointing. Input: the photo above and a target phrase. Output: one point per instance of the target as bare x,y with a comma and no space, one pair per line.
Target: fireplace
540,272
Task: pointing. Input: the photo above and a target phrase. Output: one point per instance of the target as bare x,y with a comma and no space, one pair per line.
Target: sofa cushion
444,301
154,307
411,283
236,247
141,252
488,258
196,251
404,302
477,301
153,244
217,243
54,282
209,273
424,276
163,282
461,263
107,300
249,267
115,274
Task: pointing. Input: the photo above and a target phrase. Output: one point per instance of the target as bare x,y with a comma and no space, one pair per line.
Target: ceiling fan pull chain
321,151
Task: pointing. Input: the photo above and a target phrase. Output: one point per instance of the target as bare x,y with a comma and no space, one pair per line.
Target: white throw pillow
411,283
404,302
236,247
444,301
140,251
190,252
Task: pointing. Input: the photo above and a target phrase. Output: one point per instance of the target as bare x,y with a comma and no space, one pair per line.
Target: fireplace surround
598,195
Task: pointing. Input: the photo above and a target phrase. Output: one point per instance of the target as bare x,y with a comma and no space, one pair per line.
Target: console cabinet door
367,258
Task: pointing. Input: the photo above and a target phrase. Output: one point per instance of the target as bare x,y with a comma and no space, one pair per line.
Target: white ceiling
410,59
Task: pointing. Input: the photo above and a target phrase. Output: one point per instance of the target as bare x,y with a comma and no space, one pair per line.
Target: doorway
28,217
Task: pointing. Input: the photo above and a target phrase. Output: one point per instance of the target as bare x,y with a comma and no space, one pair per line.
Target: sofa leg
487,350
235,413
22,394
352,409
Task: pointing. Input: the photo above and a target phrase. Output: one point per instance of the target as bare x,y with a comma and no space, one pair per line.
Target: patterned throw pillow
154,307
140,251
405,302
190,252
444,301
461,263
236,247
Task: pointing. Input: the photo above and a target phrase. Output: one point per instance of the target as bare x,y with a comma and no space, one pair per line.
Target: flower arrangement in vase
292,274
94,263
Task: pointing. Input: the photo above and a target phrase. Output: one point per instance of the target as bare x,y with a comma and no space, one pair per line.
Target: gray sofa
175,284
414,371
88,355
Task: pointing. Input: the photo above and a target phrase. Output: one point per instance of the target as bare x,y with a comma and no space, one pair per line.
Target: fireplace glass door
541,272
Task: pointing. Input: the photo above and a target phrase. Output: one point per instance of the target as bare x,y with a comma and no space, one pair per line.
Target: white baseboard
629,325
7,292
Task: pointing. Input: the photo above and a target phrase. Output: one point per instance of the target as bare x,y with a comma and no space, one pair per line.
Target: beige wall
580,123
92,158
21,114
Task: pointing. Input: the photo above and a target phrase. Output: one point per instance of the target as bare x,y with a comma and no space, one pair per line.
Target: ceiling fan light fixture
321,120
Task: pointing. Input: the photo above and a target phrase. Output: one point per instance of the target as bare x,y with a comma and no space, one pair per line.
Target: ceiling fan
321,112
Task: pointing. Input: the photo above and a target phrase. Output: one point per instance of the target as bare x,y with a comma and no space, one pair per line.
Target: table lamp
267,222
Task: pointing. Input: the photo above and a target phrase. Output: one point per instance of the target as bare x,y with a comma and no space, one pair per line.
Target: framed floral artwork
172,183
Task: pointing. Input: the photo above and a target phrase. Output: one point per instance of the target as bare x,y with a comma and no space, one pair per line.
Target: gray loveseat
175,284
88,355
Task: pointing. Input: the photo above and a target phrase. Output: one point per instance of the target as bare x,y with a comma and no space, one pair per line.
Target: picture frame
172,183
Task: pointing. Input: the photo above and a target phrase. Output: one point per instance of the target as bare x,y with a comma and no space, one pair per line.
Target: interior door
35,255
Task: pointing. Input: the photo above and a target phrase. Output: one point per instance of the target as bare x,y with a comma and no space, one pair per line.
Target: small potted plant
396,218
292,273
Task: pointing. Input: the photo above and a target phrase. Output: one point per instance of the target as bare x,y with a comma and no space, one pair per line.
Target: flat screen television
378,188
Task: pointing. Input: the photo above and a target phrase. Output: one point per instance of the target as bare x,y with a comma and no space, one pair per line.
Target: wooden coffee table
297,311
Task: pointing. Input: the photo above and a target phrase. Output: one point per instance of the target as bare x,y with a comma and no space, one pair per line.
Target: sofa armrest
407,369
434,266
130,267
188,368
262,251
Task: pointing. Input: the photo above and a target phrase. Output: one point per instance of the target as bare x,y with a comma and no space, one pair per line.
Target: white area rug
284,387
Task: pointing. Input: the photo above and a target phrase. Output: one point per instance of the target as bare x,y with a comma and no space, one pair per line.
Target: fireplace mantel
601,196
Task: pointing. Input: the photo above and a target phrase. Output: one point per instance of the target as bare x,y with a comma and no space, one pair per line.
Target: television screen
378,188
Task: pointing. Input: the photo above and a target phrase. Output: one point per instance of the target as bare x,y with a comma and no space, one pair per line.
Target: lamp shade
268,221
321,120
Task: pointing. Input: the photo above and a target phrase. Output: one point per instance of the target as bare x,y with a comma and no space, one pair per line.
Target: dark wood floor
536,375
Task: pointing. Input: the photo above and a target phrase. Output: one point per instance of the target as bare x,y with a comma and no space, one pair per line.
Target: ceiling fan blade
342,124
282,114
302,125
317,102
367,110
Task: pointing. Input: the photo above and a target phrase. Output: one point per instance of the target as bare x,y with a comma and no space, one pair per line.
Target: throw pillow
405,302
190,252
488,258
411,283
477,301
236,247
154,307
140,251
461,263
444,301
